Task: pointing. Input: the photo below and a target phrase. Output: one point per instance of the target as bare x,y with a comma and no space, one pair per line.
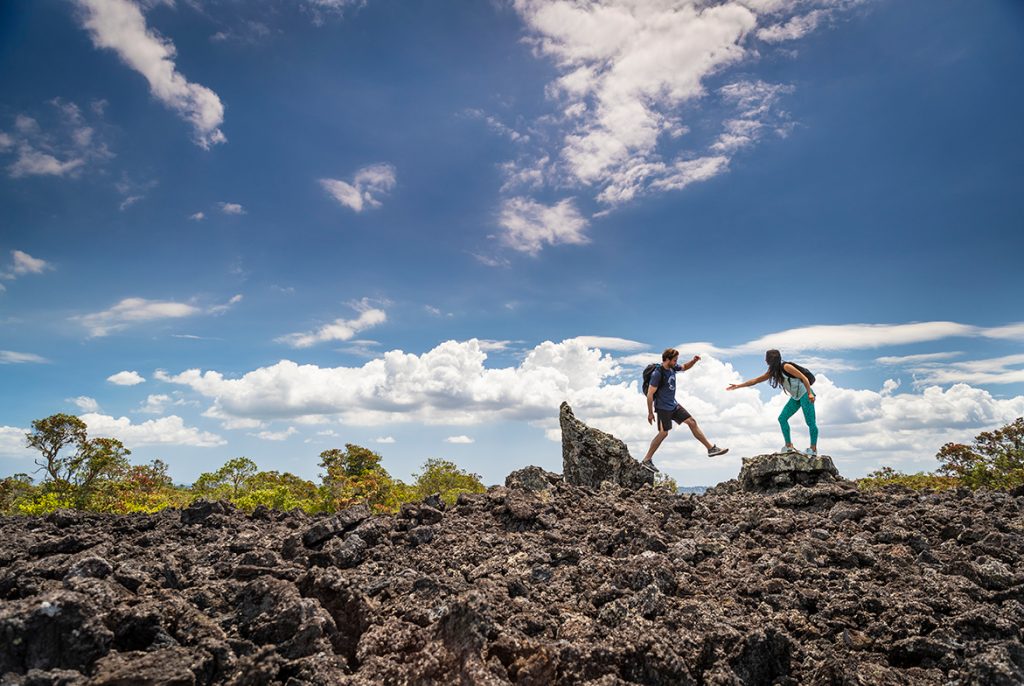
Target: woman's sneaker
786,449
715,451
811,452
649,466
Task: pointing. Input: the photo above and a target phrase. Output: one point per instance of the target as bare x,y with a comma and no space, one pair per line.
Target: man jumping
661,397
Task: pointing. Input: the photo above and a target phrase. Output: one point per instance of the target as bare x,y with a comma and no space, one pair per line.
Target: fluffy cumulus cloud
170,430
529,225
126,378
461,439
451,385
364,189
226,208
21,264
339,329
119,25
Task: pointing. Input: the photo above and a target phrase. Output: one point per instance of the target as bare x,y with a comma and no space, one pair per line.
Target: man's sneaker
715,451
786,449
811,452
649,466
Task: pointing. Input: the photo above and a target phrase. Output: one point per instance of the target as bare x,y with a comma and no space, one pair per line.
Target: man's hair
669,354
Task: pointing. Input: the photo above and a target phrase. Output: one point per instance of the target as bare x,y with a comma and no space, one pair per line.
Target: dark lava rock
777,471
818,584
532,479
590,456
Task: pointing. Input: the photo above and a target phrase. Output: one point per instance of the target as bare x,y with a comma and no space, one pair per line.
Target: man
661,398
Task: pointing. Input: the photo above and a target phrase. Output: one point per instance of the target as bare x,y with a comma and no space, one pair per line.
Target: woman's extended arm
752,382
793,371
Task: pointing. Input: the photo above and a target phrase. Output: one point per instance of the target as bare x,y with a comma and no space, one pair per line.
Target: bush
444,477
887,476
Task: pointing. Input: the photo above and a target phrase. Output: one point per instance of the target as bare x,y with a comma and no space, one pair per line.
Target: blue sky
419,227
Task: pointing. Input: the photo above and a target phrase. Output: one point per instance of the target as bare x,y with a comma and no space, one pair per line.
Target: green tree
354,476
95,469
51,436
994,460
445,477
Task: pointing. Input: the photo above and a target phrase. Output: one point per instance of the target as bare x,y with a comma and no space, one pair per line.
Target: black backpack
648,371
806,372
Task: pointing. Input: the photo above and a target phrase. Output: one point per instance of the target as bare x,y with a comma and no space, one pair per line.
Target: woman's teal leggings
790,409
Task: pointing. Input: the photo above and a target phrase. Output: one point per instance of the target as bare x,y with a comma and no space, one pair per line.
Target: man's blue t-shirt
665,381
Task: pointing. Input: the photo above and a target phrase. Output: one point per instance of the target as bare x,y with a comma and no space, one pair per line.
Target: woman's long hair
774,360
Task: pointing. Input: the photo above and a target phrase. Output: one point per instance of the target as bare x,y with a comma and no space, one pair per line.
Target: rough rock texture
590,457
561,585
778,471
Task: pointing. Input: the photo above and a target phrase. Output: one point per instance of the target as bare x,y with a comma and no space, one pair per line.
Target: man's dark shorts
665,417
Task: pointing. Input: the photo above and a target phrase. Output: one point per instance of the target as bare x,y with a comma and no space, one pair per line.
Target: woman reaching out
797,382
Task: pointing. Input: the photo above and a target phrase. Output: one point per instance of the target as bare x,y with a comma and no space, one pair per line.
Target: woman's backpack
803,370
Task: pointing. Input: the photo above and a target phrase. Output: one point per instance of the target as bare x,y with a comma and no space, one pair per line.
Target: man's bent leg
697,433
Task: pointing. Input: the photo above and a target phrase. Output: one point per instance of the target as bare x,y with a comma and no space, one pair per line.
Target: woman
794,381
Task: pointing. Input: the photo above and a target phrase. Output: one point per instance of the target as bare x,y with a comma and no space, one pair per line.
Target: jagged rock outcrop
590,456
532,479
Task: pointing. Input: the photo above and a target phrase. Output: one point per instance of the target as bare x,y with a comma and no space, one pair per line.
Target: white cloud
197,217
85,403
169,430
276,435
459,439
126,378
12,443
529,225
231,208
339,329
610,343
997,370
119,25
864,336
796,27
131,311
221,309
63,150
12,357
900,360
158,403
33,162
26,264
384,440
364,188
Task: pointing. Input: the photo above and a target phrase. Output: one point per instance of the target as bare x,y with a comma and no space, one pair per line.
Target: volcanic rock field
539,581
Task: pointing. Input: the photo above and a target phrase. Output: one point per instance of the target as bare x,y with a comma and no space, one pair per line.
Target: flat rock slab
776,471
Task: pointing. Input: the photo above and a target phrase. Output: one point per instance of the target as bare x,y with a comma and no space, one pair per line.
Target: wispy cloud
386,440
119,25
21,264
131,311
276,435
63,148
610,343
12,357
1008,369
459,440
339,329
197,217
364,189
